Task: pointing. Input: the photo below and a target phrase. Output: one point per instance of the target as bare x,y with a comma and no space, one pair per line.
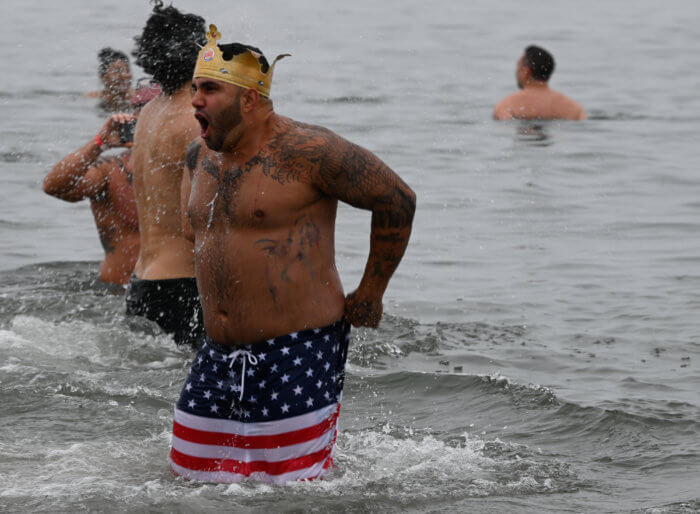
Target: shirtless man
263,395
115,75
536,101
106,182
163,287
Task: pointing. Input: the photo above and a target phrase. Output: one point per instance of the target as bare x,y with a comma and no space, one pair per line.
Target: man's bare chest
261,192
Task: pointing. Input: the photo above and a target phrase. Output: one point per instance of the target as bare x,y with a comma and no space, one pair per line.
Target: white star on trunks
308,345
297,361
319,355
214,407
207,394
215,367
319,384
191,404
261,384
274,368
326,366
309,372
309,402
253,399
297,390
294,335
251,372
188,386
285,378
262,356
265,411
285,408
219,384
274,395
285,350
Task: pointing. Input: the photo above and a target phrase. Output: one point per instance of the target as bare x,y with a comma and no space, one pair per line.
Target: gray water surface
541,341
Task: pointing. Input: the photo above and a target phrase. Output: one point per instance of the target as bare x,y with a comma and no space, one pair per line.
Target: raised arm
358,177
81,174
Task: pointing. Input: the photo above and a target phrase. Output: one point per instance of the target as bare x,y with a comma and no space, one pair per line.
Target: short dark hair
231,49
168,46
107,56
540,62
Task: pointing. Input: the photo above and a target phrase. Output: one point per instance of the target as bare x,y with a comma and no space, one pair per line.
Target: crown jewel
244,69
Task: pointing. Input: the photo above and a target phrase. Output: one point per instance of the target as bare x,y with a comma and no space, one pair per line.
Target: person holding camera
106,182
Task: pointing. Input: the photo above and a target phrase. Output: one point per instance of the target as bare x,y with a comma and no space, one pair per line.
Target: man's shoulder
502,109
573,109
292,130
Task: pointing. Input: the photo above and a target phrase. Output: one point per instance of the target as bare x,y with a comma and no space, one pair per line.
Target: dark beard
232,118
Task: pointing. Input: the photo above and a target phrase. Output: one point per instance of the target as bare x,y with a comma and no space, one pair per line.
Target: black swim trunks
173,304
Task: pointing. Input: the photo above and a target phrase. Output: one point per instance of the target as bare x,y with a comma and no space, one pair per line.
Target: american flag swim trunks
266,411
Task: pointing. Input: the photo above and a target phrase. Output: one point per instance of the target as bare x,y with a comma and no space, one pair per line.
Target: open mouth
203,123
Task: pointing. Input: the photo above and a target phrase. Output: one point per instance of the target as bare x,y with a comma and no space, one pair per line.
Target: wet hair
168,46
540,62
107,56
231,49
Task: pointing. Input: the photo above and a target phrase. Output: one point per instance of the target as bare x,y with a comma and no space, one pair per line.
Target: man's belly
254,288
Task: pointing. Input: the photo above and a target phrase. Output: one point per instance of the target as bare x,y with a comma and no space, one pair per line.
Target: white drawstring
251,358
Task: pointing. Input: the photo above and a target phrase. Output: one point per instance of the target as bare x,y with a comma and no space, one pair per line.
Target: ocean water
541,342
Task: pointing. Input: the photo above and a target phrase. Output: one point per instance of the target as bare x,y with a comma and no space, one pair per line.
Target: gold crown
244,70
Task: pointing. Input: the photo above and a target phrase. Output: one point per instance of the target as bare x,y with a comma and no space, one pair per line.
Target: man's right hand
109,133
363,311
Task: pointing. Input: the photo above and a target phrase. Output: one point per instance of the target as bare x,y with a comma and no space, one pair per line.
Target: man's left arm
358,177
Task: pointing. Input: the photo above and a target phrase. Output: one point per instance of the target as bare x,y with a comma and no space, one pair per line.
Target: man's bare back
539,103
106,182
536,101
165,127
116,220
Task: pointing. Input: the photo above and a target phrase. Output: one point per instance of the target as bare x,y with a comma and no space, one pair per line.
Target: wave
398,337
372,100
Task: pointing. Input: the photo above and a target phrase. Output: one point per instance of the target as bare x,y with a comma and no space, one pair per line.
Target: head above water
168,46
536,64
113,69
108,56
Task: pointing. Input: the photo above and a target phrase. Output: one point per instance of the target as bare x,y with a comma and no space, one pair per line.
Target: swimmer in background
537,101
115,75
106,182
